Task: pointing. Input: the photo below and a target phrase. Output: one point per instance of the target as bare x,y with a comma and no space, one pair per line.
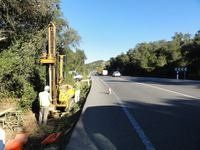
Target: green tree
23,36
159,58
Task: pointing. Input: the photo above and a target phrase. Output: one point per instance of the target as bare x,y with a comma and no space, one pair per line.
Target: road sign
185,68
180,69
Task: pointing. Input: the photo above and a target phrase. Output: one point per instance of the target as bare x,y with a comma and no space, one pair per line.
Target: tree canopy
159,58
23,37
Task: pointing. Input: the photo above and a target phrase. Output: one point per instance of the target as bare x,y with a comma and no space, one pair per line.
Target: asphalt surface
140,113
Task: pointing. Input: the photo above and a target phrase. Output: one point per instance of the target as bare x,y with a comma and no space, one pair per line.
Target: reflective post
177,75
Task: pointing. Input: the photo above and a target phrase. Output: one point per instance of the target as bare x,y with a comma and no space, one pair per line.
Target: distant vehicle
116,74
104,72
78,77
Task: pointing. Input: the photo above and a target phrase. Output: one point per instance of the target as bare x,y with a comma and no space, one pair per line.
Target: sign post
183,69
177,75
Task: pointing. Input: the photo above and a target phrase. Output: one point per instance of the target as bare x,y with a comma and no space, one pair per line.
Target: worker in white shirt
45,101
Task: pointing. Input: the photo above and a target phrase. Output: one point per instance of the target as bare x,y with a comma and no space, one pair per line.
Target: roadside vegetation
160,58
98,66
63,125
23,38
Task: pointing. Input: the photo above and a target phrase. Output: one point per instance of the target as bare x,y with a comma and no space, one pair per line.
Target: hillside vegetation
23,37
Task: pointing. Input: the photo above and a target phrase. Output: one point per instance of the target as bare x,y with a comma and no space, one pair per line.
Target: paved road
141,113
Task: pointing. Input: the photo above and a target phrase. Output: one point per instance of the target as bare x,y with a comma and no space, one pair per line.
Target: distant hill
96,65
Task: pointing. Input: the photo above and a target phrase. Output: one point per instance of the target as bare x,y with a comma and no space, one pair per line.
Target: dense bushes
23,36
19,63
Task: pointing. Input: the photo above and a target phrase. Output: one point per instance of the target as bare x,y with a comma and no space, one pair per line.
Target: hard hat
47,88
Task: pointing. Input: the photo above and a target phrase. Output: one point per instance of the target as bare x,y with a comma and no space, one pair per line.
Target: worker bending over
45,102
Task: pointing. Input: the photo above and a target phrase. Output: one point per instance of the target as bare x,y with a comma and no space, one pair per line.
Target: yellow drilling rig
61,94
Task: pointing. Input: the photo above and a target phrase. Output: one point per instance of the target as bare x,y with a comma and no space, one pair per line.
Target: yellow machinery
66,92
61,94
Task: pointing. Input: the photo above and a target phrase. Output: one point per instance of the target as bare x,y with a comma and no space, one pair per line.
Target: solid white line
133,121
153,86
186,95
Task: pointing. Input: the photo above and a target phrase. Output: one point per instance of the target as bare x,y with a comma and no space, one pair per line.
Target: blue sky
110,27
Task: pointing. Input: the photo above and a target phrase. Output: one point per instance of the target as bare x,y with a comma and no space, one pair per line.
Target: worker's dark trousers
44,111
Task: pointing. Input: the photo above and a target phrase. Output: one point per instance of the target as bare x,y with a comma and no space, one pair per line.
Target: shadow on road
164,81
99,124
116,81
174,125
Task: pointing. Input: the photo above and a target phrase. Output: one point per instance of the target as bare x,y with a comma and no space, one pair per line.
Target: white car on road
116,74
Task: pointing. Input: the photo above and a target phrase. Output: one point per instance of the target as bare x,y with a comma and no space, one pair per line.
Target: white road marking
136,126
171,91
186,95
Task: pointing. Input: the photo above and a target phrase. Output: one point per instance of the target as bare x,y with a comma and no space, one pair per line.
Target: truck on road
104,72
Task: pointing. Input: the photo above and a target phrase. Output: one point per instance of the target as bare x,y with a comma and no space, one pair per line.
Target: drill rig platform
61,94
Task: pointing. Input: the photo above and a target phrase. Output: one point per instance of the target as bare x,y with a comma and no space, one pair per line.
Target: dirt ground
37,133
5,104
29,124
